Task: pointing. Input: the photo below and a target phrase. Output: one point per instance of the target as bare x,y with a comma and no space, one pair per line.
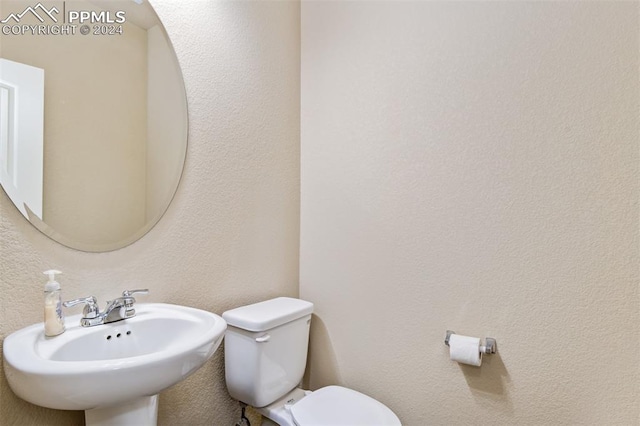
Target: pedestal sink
113,371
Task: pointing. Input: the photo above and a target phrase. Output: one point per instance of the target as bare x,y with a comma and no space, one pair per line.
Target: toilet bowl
328,406
265,358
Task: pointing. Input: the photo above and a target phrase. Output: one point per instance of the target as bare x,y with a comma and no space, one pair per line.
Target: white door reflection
21,135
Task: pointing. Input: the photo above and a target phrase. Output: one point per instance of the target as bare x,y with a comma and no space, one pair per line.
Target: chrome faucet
116,310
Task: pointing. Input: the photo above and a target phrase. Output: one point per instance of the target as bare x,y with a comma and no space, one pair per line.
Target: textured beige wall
230,236
474,166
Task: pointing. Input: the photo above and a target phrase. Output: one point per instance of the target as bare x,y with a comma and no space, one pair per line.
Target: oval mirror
93,118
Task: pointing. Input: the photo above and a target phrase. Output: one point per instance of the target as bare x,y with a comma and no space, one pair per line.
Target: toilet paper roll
465,349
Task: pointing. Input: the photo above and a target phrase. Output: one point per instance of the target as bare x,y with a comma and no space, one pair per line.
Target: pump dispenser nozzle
52,284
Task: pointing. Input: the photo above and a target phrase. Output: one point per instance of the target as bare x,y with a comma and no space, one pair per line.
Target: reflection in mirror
21,127
105,105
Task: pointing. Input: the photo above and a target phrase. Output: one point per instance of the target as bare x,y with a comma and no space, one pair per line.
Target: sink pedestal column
140,412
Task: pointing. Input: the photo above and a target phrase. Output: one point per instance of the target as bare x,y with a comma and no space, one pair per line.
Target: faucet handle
128,300
129,293
91,309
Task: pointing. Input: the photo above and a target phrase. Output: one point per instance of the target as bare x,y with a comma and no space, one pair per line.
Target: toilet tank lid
266,315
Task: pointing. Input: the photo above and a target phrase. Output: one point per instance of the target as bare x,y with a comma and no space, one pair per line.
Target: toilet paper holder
489,346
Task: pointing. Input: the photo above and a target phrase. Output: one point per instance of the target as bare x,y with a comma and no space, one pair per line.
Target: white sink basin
112,364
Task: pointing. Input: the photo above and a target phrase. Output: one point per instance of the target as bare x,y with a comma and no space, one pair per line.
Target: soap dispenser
53,318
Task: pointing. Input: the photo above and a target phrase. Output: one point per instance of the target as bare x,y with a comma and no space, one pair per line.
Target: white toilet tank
265,349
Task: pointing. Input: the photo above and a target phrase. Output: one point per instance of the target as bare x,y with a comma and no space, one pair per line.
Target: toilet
265,358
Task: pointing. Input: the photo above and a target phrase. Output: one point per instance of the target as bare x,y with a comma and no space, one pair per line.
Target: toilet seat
338,406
